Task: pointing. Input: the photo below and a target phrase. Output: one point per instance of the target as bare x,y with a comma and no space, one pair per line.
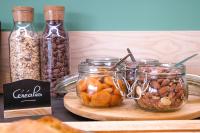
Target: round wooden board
130,111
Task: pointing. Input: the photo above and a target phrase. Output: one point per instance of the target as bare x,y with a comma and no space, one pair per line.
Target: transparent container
132,68
24,46
55,56
98,86
161,88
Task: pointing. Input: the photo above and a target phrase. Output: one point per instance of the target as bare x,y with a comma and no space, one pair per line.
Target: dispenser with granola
24,46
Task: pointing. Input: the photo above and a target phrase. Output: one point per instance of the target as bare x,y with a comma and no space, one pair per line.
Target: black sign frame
26,93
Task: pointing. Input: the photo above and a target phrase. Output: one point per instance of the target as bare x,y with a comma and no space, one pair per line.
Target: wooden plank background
167,46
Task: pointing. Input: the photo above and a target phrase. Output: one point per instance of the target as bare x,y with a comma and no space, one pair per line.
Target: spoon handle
121,60
131,55
186,59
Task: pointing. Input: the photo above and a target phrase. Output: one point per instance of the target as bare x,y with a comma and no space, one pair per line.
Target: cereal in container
24,46
54,46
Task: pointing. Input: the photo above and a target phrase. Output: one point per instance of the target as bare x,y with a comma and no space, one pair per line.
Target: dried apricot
116,100
100,99
117,92
93,84
104,86
109,90
85,98
91,80
109,81
82,85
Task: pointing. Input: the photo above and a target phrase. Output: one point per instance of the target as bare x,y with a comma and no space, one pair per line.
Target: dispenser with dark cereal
55,46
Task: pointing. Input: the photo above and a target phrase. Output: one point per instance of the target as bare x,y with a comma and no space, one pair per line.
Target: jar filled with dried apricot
99,86
160,88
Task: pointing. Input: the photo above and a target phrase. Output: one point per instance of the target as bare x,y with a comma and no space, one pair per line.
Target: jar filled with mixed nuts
55,46
98,85
24,46
161,88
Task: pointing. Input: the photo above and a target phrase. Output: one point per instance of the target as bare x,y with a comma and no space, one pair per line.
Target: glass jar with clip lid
160,88
99,85
132,68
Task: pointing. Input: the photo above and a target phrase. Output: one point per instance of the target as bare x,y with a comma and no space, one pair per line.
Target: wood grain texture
163,45
27,112
4,60
167,46
138,126
130,111
178,126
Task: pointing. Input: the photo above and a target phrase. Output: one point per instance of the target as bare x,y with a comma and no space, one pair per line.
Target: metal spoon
123,59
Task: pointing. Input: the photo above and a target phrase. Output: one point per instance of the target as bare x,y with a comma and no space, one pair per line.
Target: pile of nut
54,53
165,92
24,55
99,91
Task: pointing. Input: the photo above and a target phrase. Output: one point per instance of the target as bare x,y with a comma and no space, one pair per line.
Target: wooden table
111,126
58,111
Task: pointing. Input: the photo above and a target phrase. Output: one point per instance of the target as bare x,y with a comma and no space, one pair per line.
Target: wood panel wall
167,46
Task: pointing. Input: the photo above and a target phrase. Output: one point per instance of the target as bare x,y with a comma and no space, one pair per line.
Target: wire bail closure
137,90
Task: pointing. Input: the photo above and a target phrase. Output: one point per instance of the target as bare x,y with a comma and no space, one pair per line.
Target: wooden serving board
130,111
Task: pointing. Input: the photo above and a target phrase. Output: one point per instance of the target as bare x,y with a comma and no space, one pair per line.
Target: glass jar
145,64
98,85
66,84
24,46
132,68
161,88
54,47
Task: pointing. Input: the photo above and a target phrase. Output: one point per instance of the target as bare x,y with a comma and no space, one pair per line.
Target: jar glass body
99,90
161,88
24,52
54,52
98,86
132,68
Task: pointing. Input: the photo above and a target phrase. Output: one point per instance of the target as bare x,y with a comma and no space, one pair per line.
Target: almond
178,87
160,81
138,91
155,84
165,101
164,90
165,82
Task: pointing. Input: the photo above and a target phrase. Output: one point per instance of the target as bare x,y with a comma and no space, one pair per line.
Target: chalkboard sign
26,94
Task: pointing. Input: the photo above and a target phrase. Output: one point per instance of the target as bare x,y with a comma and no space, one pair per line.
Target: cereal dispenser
54,46
24,46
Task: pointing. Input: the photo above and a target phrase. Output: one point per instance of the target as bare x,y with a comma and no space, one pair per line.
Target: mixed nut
161,89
